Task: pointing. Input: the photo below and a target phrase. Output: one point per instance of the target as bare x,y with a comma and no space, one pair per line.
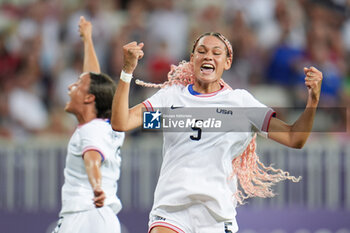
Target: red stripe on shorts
167,225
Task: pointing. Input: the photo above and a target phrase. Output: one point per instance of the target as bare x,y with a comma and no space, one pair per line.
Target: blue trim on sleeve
103,158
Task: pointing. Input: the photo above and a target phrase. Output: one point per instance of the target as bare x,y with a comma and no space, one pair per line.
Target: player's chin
68,108
207,78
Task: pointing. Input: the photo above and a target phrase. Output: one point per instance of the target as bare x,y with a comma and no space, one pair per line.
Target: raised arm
296,135
91,63
123,118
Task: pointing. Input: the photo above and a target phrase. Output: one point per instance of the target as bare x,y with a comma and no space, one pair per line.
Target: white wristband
125,77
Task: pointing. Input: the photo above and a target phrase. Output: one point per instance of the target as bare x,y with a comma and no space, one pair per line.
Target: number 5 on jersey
199,132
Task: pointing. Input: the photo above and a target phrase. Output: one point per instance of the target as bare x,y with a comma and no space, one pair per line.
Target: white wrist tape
125,77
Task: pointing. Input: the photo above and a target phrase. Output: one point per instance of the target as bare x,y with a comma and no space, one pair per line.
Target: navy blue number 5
199,132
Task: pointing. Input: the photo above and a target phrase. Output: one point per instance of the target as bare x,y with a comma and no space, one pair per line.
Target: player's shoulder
100,128
96,125
241,97
170,91
175,88
238,93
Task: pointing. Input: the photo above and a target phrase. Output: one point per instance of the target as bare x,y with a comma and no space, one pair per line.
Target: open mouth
207,68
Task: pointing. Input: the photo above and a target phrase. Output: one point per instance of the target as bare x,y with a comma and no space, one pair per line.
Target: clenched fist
132,53
85,28
313,81
99,197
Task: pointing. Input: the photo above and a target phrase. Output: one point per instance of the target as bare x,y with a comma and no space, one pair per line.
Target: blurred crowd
41,52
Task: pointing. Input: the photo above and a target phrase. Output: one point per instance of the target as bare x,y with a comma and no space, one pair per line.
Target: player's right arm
123,118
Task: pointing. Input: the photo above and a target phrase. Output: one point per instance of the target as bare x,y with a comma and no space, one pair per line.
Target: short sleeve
160,98
258,114
92,140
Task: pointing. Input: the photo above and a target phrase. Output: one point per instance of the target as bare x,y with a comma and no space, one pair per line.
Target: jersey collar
193,92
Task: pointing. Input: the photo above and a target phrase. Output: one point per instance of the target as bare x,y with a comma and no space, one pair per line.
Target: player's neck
206,88
85,117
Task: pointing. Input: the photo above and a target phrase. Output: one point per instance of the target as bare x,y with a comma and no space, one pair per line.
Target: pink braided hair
254,178
180,75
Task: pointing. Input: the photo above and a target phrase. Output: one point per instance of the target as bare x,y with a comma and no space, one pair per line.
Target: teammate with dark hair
89,201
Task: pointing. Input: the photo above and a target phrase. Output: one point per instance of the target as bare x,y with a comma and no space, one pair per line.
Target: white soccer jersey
77,192
196,169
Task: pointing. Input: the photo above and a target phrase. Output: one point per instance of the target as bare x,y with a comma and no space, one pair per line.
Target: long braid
182,75
254,178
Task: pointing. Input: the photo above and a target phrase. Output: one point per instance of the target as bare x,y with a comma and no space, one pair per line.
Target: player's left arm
91,63
296,135
92,161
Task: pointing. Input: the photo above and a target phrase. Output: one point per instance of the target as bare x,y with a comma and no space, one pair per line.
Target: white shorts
99,220
193,219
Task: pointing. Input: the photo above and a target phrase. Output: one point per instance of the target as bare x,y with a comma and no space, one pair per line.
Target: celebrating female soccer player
201,173
89,201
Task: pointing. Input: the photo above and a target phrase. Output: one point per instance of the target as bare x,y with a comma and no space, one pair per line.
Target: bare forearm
92,162
90,59
305,122
123,118
94,174
120,107
294,135
297,134
91,63
313,82
302,128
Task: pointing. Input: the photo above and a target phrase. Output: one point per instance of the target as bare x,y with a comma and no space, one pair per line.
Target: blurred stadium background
41,53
